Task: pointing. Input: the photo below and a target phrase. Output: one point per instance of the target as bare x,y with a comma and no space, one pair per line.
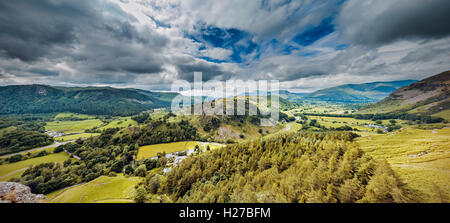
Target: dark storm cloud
124,31
290,70
186,71
291,73
380,22
304,72
187,66
426,54
103,78
92,37
44,72
132,65
150,43
112,55
29,29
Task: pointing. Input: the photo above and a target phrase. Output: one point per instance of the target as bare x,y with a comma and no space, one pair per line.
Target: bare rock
11,192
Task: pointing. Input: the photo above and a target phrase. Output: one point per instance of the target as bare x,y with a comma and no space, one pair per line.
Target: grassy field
120,123
73,115
104,189
49,150
75,136
322,108
443,114
73,126
12,170
360,124
82,125
152,150
420,157
292,126
386,108
336,122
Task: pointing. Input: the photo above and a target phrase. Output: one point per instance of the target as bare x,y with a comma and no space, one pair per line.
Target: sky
305,45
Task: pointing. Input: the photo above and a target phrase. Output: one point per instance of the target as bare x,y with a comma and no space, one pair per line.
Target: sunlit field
420,157
75,136
120,123
73,115
119,189
13,170
153,150
73,126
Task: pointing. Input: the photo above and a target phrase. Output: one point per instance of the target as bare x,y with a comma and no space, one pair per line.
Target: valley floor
419,154
420,157
15,170
104,189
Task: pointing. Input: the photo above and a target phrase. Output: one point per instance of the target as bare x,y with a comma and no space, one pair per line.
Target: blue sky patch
159,23
311,35
240,42
341,47
212,59
222,38
309,53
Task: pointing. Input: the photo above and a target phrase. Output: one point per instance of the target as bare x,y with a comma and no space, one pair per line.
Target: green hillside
297,167
355,93
17,135
430,96
20,99
291,96
103,189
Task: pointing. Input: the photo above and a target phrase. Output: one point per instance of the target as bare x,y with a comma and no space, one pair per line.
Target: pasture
65,115
119,189
119,123
13,170
75,137
421,157
152,150
360,124
321,108
443,114
73,126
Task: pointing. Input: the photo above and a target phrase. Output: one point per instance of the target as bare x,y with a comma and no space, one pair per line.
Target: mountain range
349,93
430,96
20,99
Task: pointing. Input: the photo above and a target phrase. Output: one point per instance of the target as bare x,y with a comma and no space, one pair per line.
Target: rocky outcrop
426,97
11,192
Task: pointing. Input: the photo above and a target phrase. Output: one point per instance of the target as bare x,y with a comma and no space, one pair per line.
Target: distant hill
285,94
430,96
349,93
249,101
290,96
20,99
223,128
355,93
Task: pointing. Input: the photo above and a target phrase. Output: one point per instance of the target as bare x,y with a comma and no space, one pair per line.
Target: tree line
113,151
18,135
386,116
295,167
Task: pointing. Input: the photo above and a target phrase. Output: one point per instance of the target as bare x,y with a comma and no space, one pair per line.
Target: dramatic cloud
306,45
378,22
44,72
31,28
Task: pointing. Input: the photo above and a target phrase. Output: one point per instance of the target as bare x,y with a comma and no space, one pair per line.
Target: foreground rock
17,193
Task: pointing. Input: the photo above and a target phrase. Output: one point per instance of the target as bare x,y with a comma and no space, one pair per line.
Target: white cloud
146,45
216,53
